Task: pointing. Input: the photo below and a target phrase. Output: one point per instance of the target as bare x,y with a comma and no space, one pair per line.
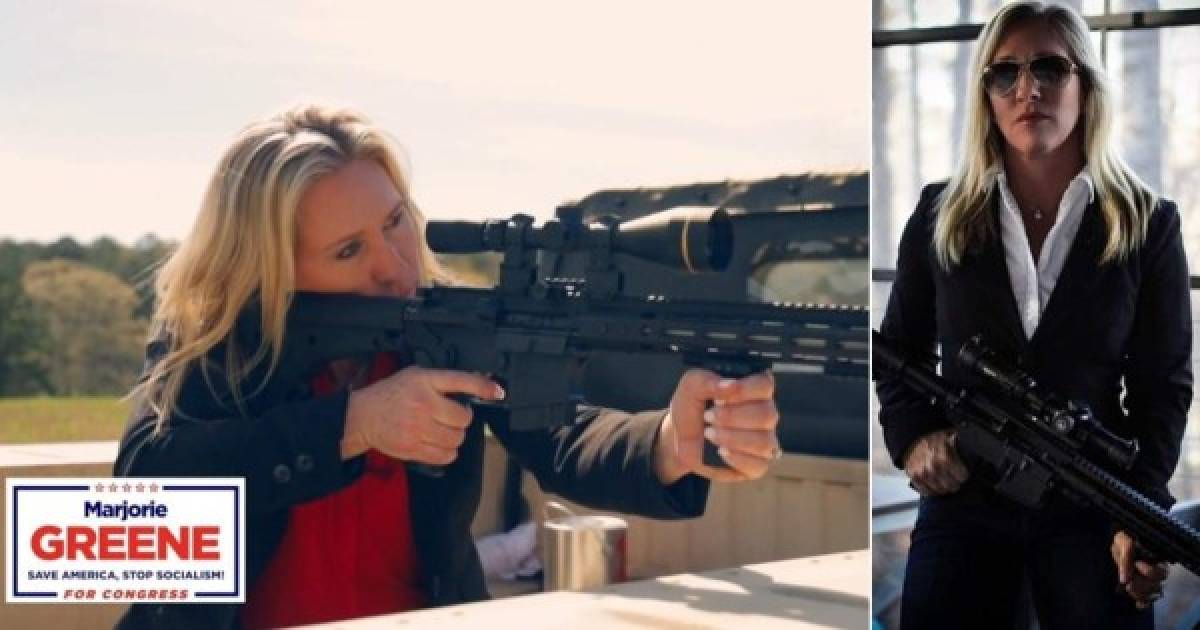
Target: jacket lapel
986,275
1079,273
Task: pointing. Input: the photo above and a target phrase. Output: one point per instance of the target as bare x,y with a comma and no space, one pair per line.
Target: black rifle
535,336
1034,444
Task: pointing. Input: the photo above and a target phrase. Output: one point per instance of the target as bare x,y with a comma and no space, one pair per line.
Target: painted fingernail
725,383
710,434
709,416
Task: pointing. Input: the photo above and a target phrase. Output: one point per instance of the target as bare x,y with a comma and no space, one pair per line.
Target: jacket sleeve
288,453
910,320
605,460
1158,372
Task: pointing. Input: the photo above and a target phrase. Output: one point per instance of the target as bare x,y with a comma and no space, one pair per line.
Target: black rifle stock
1036,445
536,336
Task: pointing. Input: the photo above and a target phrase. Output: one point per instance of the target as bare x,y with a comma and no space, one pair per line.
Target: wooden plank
56,454
757,509
820,592
799,521
710,538
846,519
814,468
639,548
667,551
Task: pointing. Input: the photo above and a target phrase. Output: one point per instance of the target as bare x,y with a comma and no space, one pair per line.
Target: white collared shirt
1033,283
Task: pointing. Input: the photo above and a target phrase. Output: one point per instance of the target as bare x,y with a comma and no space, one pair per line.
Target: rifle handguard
1073,421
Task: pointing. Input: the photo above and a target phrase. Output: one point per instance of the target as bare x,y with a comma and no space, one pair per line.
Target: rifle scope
1069,420
690,238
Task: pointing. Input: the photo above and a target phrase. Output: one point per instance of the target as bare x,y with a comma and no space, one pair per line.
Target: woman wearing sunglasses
314,199
1046,244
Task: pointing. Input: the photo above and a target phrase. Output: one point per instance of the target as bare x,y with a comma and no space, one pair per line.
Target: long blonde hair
241,248
1125,202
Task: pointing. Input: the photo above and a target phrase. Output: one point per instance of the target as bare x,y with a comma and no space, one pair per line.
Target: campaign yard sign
125,540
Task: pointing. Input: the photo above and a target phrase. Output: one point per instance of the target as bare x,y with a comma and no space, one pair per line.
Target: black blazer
289,454
1129,320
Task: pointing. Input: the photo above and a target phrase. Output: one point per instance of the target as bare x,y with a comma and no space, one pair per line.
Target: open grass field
42,419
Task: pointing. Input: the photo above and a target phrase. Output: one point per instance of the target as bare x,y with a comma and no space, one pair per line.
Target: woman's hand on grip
411,416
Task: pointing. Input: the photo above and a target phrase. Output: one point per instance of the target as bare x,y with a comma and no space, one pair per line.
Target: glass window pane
899,14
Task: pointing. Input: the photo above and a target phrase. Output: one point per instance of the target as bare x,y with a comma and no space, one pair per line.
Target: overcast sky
112,114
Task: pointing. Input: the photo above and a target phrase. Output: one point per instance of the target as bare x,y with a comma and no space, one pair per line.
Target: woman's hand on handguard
741,423
409,415
1141,580
933,464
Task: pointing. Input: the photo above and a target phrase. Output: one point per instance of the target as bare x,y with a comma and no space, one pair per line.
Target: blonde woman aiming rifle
314,199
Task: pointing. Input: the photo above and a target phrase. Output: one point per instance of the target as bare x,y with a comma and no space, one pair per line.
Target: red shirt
348,554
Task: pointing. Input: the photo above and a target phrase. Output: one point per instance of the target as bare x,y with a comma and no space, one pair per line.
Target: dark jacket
289,454
1127,320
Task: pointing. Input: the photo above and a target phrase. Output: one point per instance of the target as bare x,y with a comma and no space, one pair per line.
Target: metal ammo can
583,552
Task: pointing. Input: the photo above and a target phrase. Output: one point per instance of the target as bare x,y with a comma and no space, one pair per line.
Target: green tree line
73,316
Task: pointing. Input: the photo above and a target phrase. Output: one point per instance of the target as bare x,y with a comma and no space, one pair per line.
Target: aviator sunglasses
1050,72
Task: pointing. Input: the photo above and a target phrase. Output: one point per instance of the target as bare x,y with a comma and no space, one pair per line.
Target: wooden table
819,592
